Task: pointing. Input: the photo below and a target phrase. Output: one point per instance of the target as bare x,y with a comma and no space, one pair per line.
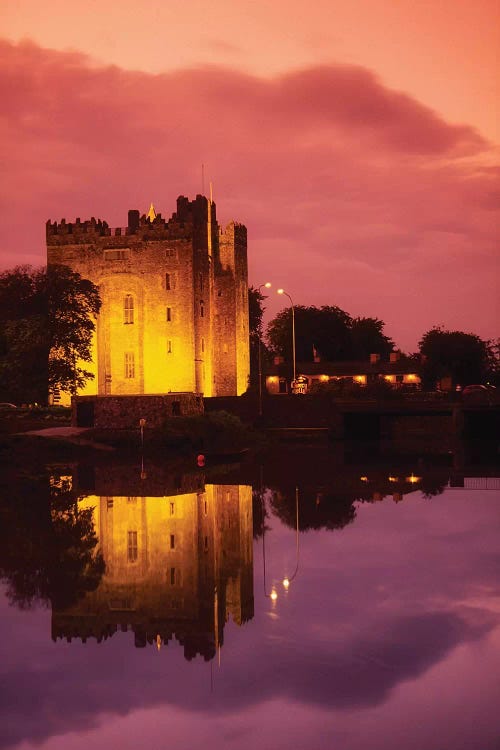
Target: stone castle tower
174,294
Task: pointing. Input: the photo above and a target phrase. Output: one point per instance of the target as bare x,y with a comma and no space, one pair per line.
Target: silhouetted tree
328,331
45,312
464,357
256,311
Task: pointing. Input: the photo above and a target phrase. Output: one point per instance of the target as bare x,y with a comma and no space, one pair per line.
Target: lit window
128,309
169,314
129,365
132,546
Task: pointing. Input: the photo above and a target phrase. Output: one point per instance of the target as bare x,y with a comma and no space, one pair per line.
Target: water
321,598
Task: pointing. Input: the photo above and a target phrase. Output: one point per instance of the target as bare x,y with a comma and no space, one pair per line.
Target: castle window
129,365
170,252
225,348
172,541
132,546
202,309
128,309
116,254
176,408
169,346
132,500
202,344
172,509
169,281
169,314
172,576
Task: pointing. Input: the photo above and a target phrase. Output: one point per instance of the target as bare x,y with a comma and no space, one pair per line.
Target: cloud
325,166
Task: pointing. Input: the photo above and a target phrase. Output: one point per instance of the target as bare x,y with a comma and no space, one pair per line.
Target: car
480,394
5,406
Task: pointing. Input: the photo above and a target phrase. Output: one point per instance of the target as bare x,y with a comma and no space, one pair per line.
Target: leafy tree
45,312
464,357
328,331
367,337
256,311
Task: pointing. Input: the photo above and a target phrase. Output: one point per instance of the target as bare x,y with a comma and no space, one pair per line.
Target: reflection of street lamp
282,291
273,595
288,579
267,285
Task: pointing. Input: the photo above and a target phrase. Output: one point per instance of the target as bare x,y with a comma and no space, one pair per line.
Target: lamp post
267,285
282,291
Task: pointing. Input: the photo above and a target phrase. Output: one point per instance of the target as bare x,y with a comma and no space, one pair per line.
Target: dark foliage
328,332
44,312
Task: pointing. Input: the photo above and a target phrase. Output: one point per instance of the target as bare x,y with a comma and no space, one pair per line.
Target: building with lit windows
174,315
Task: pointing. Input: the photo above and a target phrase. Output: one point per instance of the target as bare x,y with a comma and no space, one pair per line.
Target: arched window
128,309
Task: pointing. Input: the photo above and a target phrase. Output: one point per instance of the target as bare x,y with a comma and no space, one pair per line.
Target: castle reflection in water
175,565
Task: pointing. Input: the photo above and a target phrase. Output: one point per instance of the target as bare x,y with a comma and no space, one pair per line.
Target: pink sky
358,141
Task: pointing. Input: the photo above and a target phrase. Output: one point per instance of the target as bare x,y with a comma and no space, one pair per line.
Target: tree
367,337
328,331
46,326
255,313
464,357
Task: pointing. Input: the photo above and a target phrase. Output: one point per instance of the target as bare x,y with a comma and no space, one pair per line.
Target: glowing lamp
412,479
274,595
286,583
364,479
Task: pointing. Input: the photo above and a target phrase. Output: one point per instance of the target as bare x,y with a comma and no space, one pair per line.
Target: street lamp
282,291
267,285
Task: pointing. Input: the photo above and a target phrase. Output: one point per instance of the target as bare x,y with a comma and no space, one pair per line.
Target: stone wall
124,412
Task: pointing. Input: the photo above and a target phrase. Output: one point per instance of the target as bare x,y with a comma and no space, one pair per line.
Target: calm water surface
319,600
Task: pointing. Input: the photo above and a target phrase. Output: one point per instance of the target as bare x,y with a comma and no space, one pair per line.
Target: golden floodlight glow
393,479
364,479
324,378
412,479
360,378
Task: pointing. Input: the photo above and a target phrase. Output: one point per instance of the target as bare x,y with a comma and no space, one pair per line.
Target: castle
174,315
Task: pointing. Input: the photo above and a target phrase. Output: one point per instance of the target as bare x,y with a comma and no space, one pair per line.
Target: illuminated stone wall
174,293
177,565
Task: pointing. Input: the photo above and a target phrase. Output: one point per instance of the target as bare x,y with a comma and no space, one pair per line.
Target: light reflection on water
163,625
